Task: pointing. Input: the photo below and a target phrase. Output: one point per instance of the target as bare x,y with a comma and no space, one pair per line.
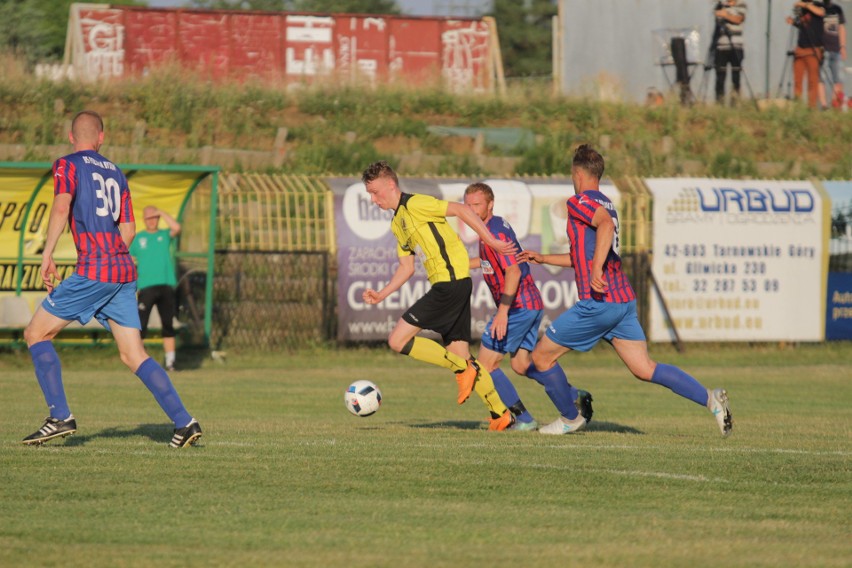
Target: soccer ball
363,398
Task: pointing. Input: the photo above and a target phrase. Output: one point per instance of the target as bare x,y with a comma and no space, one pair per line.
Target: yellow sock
484,387
430,351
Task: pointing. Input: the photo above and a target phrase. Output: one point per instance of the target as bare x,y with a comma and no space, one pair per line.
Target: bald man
91,193
152,249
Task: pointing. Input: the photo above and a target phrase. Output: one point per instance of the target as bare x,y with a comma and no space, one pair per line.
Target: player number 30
109,196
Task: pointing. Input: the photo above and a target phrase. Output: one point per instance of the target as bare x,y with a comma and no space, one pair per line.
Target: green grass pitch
285,476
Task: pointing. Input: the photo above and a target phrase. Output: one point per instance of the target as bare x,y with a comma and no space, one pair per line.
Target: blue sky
410,7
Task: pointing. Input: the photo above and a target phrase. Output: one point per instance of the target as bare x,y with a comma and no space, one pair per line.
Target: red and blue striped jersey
494,269
583,236
100,201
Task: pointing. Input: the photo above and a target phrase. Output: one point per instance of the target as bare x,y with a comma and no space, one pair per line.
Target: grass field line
691,449
632,473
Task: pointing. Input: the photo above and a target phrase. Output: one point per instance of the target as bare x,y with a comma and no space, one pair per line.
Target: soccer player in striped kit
91,193
514,328
607,304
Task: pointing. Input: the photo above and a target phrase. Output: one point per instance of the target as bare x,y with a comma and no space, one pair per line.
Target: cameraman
807,57
834,40
730,15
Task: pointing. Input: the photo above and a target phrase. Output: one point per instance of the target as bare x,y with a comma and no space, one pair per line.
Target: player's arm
475,262
561,259
404,271
55,226
511,283
128,232
174,226
473,221
604,234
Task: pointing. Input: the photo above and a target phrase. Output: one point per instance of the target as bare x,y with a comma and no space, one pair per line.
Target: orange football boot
503,422
465,379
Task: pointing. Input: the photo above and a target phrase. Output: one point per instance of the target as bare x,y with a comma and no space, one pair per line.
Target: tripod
788,66
822,74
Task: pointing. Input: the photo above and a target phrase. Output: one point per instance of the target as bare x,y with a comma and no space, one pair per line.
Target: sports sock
170,358
557,387
484,387
158,382
509,395
680,383
48,371
432,352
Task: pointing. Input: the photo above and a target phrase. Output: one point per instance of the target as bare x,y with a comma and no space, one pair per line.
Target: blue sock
158,382
48,371
509,395
680,383
558,388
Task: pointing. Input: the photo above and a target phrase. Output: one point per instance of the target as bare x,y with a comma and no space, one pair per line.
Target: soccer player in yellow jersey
421,221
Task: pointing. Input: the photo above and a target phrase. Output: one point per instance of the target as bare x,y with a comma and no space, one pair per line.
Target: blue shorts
81,299
521,332
588,321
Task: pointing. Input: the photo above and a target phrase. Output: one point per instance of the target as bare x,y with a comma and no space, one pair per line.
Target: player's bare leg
635,356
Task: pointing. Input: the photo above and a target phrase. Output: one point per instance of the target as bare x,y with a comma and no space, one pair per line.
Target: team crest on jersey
486,267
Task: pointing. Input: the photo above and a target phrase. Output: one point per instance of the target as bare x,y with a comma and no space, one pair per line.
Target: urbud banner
738,260
367,255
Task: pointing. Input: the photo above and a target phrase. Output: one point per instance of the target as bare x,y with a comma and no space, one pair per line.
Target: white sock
170,358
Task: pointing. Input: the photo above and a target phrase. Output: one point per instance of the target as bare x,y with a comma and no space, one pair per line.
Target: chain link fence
265,299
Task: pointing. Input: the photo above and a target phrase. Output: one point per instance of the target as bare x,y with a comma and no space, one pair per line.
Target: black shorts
163,297
444,309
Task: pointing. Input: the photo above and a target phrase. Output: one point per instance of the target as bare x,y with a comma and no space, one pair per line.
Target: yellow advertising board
26,195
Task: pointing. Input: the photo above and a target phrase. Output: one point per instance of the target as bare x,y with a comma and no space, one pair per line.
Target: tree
35,29
525,30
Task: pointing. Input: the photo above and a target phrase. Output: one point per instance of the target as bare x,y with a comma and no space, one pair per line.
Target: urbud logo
365,219
742,204
751,200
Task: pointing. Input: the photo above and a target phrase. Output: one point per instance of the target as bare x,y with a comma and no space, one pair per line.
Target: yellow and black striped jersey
421,220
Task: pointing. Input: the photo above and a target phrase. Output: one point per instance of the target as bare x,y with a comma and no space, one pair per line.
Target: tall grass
180,108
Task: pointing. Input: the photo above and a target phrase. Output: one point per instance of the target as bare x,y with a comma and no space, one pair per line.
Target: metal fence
274,275
267,299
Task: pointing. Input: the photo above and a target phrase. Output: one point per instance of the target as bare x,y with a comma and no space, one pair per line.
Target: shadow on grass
191,358
598,426
160,433
457,424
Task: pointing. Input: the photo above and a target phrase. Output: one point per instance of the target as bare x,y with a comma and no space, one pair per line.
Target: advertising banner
838,316
738,260
166,190
367,256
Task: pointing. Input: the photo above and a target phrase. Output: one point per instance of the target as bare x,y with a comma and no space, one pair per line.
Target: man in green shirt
156,284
